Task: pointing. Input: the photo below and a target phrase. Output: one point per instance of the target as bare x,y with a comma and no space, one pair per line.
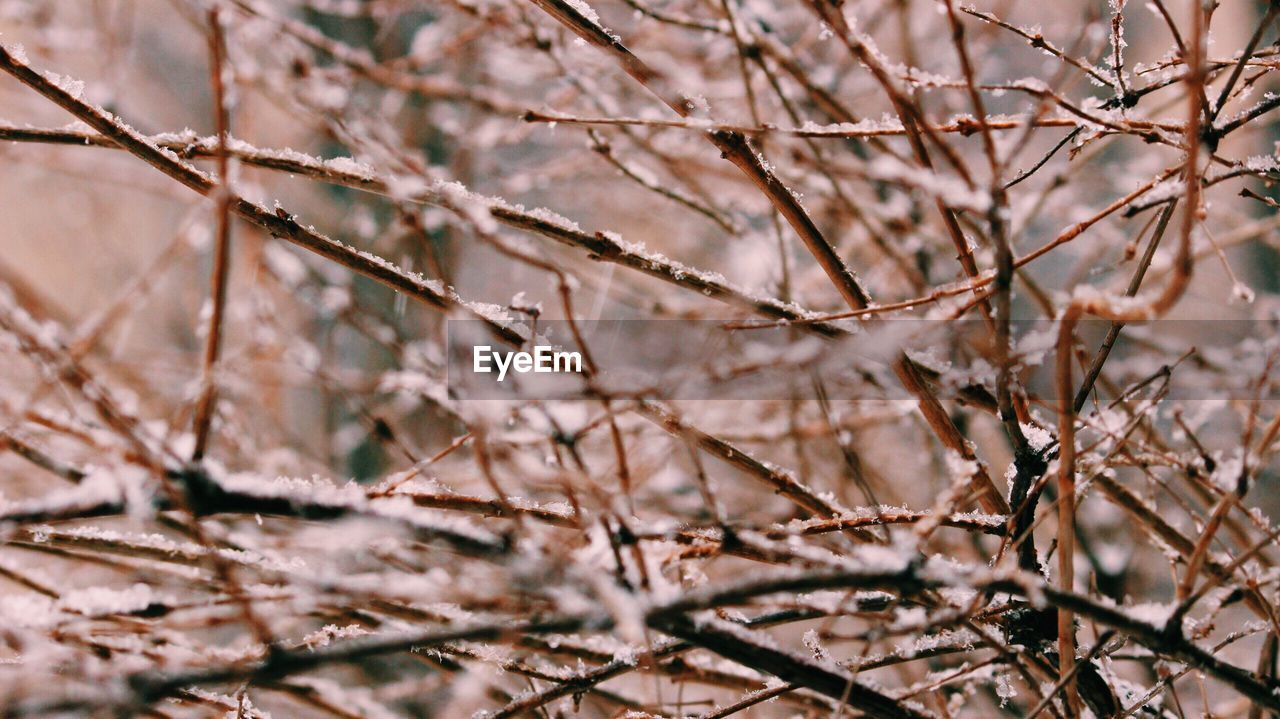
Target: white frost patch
69,85
1038,437
1154,613
101,601
1005,689
1226,476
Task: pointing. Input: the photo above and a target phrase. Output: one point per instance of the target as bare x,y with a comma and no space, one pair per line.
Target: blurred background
326,373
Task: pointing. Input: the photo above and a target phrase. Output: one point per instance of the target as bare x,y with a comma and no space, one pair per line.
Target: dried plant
927,358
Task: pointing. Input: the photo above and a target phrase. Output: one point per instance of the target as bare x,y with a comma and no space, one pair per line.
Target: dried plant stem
222,241
278,224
